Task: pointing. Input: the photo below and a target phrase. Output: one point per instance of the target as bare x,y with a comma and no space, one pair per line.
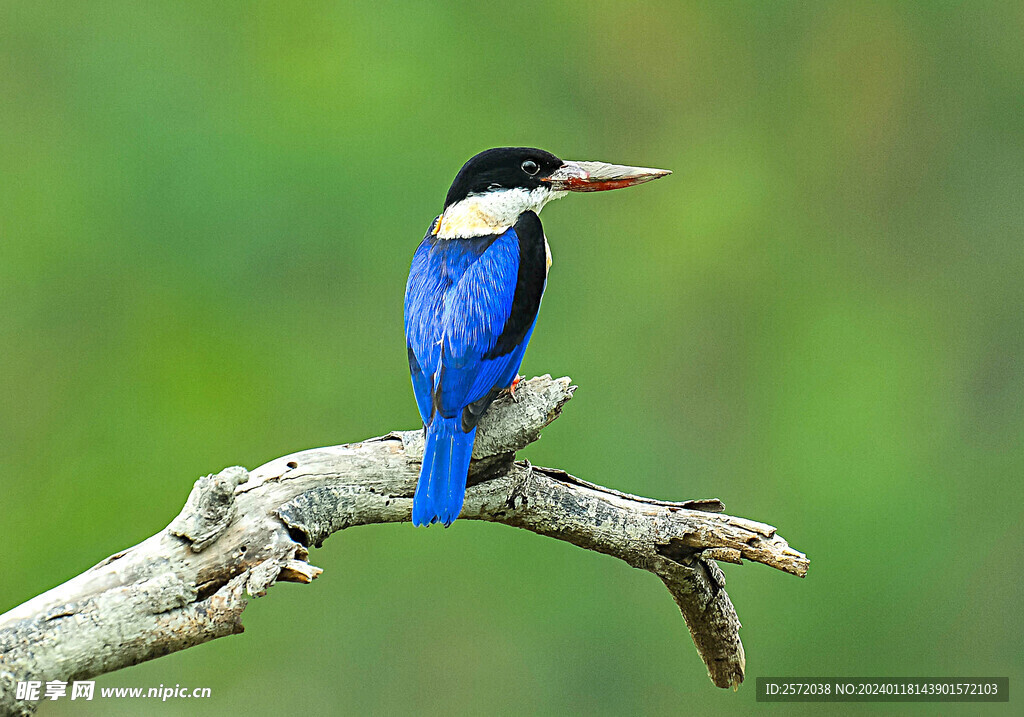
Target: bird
472,298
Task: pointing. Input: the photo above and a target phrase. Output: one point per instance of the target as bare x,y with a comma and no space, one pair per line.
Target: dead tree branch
240,532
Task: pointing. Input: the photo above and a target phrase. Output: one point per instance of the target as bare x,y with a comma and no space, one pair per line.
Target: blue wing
468,319
475,314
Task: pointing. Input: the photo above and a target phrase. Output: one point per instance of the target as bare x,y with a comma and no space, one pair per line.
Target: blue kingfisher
472,298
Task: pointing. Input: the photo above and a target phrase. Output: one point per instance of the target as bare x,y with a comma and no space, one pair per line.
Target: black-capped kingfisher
472,299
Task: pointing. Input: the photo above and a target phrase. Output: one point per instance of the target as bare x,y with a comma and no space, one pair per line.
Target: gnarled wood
240,532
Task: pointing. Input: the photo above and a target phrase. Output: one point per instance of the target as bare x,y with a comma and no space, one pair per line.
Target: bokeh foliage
206,216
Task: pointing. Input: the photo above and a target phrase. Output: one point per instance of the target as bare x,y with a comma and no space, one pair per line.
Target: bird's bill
600,176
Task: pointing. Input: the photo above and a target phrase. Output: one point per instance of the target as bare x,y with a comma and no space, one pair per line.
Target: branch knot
209,509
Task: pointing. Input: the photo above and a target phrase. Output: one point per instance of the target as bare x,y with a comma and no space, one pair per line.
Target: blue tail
442,484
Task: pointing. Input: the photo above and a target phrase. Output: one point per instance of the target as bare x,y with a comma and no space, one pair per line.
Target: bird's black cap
502,168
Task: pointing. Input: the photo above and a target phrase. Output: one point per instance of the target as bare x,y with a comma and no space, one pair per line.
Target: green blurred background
207,212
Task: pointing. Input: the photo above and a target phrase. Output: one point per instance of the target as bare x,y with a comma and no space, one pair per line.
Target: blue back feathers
470,307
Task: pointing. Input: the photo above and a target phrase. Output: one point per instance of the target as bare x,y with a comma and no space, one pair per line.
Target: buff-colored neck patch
470,218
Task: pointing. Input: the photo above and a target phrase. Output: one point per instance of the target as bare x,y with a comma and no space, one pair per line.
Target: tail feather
442,484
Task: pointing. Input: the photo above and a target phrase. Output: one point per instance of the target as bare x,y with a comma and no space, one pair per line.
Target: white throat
491,212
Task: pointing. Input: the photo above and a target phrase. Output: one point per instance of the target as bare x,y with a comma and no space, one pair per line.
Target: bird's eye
530,167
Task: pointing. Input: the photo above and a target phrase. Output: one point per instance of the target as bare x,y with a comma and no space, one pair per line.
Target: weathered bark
240,532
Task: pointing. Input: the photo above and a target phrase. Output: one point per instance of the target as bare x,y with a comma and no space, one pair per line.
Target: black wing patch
533,272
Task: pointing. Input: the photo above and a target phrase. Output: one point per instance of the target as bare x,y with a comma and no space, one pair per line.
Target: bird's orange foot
512,388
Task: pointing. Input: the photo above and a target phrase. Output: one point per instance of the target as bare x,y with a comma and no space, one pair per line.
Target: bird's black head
502,168
495,188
